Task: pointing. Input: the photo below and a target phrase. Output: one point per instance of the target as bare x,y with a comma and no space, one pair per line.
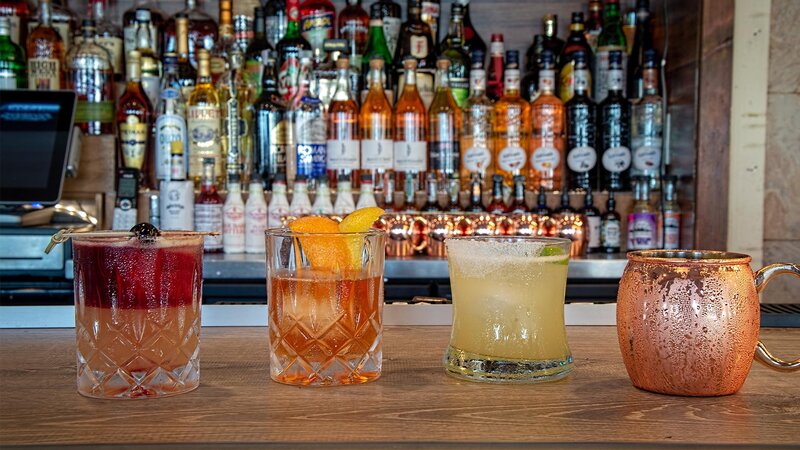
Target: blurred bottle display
90,75
45,52
242,31
415,41
613,117
134,119
477,137
63,19
187,74
226,44
576,42
512,130
276,21
453,49
12,59
150,65
581,133
203,31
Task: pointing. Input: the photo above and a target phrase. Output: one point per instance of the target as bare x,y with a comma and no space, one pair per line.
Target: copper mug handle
763,277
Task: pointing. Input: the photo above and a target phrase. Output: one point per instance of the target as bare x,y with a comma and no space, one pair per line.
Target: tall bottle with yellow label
203,122
134,119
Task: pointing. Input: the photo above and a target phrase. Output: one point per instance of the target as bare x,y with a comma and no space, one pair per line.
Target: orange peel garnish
329,253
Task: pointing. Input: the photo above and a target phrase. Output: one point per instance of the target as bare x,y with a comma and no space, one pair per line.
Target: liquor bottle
91,76
454,193
415,41
324,75
542,209
642,42
233,218
177,195
669,226
388,203
629,29
109,36
477,138
530,80
576,42
431,10
496,76
610,227
63,19
322,198
613,122
275,21
366,196
376,47
134,119
475,194
255,217
454,50
564,207
593,219
45,53
151,67
208,208
594,23
177,161
411,131
170,120
301,204
203,31
12,59
611,39
254,65
444,123
390,14
187,75
647,123
157,19
497,205
581,129
271,126
512,130
431,195
289,49
472,40
344,150
318,24
375,122
203,121
354,27
549,40
17,13
309,126
278,205
236,97
242,31
547,137
642,220
518,205
344,197
224,46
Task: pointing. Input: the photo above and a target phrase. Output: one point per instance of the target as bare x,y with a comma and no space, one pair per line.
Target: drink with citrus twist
508,308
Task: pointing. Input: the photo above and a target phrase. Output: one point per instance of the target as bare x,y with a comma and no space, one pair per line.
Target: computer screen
35,132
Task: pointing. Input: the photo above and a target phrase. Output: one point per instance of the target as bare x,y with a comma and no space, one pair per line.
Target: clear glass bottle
275,21
415,41
134,119
411,131
271,126
613,123
151,66
187,74
90,75
237,96
45,52
375,122
477,138
444,123
581,129
203,121
512,130
322,198
208,208
226,44
109,36
233,217
344,149
459,57
547,135
647,125
157,19
310,132
12,59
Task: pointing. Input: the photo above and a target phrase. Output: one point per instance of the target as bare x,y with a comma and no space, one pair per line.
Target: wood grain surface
414,403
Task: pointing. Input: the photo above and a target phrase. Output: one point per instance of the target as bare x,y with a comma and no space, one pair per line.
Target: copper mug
404,234
440,227
688,321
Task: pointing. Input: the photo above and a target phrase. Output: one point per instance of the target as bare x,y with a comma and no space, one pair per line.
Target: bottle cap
143,15
376,62
497,37
343,63
443,63
366,178
477,59
579,57
409,62
512,59
615,57
547,59
577,17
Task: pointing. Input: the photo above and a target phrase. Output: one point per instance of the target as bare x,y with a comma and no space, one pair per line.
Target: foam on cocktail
479,257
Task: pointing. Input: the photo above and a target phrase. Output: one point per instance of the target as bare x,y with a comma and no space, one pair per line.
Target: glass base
476,367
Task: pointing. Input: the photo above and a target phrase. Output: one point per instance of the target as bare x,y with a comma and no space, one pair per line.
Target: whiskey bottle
309,126
170,120
496,77
647,124
203,122
318,24
278,205
610,39
344,149
233,217
614,129
512,130
453,49
547,138
109,36
91,77
45,53
63,19
375,122
255,217
593,219
390,14
289,49
134,119
411,131
150,66
444,123
12,59
576,42
203,31
518,205
271,126
157,18
581,129
431,195
497,205
366,196
187,75
477,138
254,65
208,208
415,41
301,204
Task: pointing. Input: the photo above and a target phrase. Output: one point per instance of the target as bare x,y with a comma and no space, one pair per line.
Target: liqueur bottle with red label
317,24
288,50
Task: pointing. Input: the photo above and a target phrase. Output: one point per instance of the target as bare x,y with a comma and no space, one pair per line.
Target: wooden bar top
413,404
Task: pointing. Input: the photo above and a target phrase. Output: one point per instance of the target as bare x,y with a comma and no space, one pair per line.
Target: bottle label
177,205
650,78
672,230
594,231
497,49
602,72
617,159
253,72
477,80
343,154
255,224
478,159
114,47
8,80
63,29
317,27
278,146
647,155
287,76
610,233
169,128
581,159
566,81
641,231
203,123
460,89
425,88
217,65
276,29
133,142
512,80
545,159
233,228
275,215
419,47
311,160
377,154
208,217
43,74
445,156
410,156
102,112
511,159
391,32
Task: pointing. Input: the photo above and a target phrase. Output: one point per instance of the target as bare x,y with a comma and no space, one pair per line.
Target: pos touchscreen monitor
35,133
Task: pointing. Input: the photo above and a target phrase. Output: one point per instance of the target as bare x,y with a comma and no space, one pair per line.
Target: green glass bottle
611,38
454,50
376,46
12,59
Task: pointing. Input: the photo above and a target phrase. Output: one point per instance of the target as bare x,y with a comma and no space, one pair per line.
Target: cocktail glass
508,308
137,314
325,295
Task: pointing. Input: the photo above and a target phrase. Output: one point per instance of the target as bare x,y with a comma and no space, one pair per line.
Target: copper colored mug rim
689,257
